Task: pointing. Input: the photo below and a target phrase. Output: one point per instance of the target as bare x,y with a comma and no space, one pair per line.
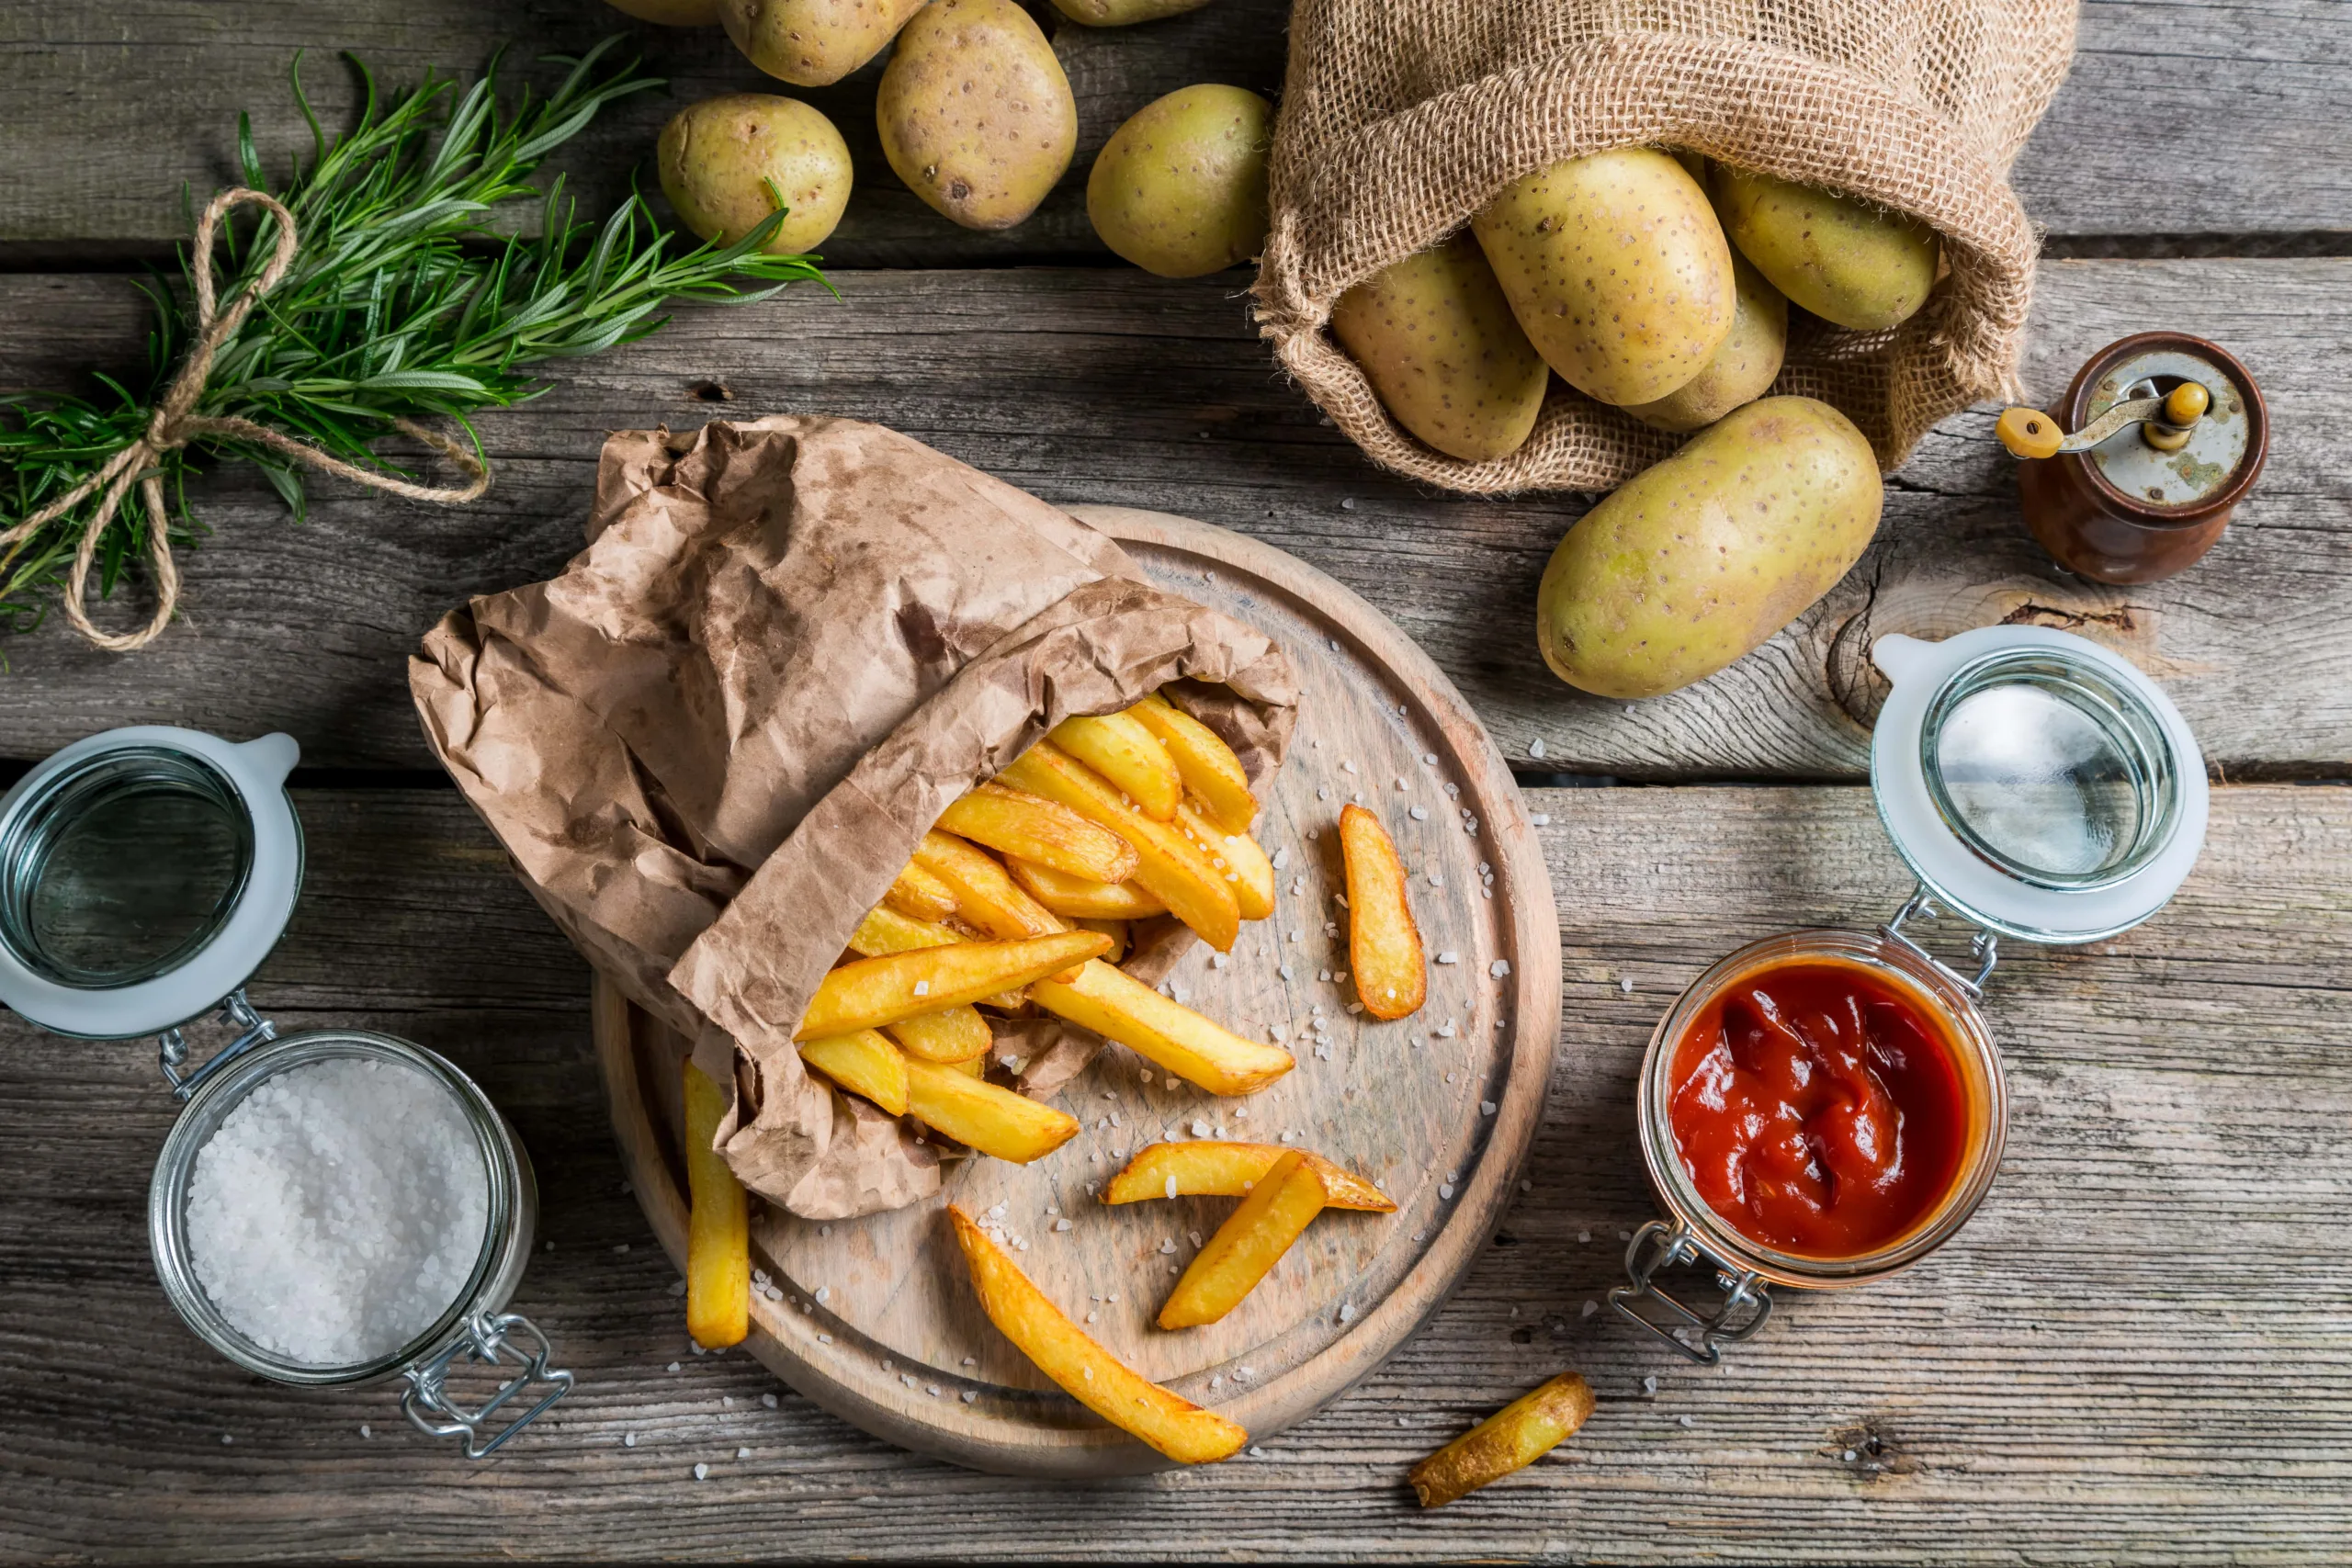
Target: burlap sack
1402,118
713,741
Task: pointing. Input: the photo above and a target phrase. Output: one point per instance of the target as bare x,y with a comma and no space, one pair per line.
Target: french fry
718,1236
1076,898
1013,822
1384,954
1124,1010
1222,1169
1247,1247
864,1062
1084,1370
918,894
1123,749
978,1067
950,1035
1208,765
868,993
1116,930
1511,1438
985,895
1236,858
997,1122
885,930
1171,867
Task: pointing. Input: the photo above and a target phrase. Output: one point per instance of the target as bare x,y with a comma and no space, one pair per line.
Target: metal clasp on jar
430,1410
1746,1300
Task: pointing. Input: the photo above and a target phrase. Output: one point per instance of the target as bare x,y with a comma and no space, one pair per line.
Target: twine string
175,423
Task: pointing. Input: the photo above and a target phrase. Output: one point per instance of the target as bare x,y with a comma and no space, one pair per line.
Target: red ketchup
1817,1109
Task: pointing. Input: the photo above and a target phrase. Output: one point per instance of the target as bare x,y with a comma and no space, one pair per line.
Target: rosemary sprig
403,302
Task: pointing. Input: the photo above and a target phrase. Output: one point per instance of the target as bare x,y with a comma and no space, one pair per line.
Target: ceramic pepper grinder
2168,434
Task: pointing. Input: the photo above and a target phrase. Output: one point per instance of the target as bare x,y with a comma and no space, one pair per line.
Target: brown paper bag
713,741
1402,118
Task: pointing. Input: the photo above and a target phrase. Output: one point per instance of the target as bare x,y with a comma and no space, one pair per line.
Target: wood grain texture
90,84
2137,1351
1436,1108
1114,387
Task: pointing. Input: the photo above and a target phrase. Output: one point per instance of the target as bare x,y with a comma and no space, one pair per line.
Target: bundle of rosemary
368,292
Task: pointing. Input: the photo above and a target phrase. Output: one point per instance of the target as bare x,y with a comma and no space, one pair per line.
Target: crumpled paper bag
712,741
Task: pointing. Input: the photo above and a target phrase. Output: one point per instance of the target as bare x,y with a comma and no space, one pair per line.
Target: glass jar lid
145,874
2035,783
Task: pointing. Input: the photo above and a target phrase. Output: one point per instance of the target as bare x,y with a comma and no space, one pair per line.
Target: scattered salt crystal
1449,956
1400,783
702,1472
364,1431
727,1402
1649,1386
1347,1312
922,987
628,1440
1060,1225
1585,1236
1218,960
1171,1187
1499,968
670,1367
1200,1129
1296,936
1625,983
1445,1191
825,1292
1486,1108
1542,819
1535,747
1347,767
1590,1308
969,1396
1685,1420
1282,858
1420,814
768,1400
1526,1186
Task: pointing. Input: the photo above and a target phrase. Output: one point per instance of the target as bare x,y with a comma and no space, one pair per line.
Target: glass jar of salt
333,1206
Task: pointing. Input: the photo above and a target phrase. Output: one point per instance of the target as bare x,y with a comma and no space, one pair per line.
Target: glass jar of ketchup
1825,1108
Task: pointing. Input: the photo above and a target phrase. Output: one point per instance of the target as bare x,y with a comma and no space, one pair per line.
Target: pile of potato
975,115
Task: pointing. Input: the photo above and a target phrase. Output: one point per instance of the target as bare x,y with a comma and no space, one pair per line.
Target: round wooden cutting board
879,1324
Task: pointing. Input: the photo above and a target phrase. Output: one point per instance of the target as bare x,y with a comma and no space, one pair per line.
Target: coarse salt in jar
332,1207
1822,1109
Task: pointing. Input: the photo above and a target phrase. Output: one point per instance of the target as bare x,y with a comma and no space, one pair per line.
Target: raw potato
717,157
718,1236
862,1063
1119,747
1385,956
872,992
1617,270
1435,337
1173,869
1743,368
1853,265
1214,1168
671,13
975,113
1076,898
1211,770
1122,13
1126,1011
1084,1370
812,42
1180,189
1012,823
965,1107
1247,1247
1705,555
1236,857
1511,1438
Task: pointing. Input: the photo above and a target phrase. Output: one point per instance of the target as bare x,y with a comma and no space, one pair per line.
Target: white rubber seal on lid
256,771
1966,879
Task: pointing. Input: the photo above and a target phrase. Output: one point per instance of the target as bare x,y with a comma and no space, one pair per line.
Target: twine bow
175,423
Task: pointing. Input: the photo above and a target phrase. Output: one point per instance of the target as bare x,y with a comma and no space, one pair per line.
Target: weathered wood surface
1113,386
2138,1350
1439,1120
81,170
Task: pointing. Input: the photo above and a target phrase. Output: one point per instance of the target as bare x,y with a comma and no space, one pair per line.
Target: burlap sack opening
712,741
1400,118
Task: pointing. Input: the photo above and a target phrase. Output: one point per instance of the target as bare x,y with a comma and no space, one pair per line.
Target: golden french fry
1384,954
1115,930
1014,822
921,895
1222,1169
1512,1437
1208,765
1084,1370
718,1236
1236,858
885,930
995,1121
1076,898
1247,1247
950,1035
1124,1010
1123,749
864,1062
985,895
1171,867
868,993
978,1067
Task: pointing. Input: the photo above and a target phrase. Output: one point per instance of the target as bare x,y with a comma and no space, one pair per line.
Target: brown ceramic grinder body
2096,530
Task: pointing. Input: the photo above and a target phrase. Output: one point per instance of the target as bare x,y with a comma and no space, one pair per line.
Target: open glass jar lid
332,1206
1825,1108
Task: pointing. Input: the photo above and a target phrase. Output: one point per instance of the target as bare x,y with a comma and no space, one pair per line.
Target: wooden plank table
2140,1350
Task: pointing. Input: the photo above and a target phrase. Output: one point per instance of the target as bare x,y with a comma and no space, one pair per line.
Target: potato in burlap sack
1401,119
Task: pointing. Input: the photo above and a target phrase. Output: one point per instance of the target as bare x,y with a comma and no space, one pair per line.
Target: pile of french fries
1022,896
